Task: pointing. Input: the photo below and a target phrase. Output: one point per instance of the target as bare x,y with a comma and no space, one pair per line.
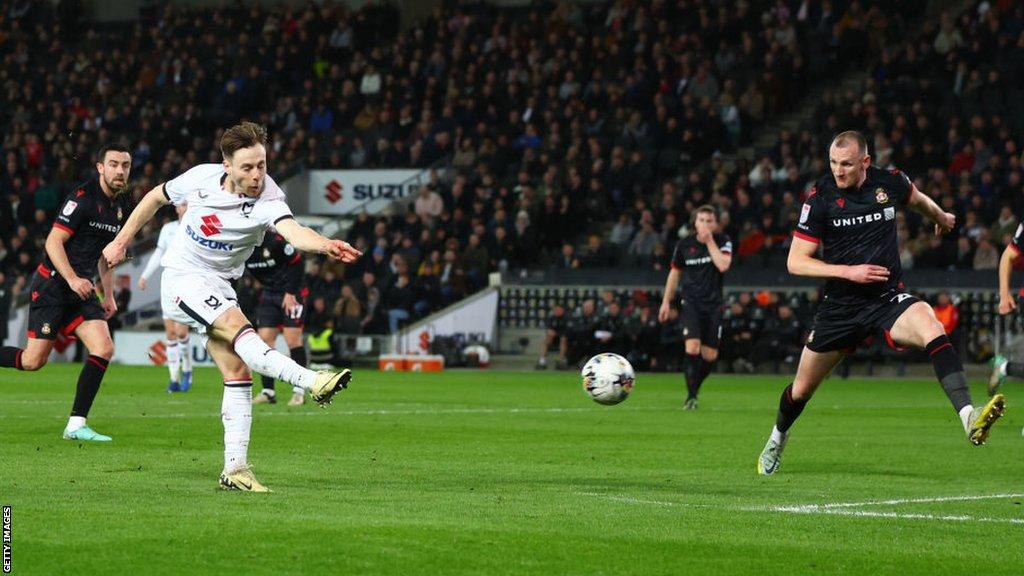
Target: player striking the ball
851,215
231,205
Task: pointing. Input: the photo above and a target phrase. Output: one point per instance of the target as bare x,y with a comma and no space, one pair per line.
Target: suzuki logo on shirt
855,220
211,225
207,243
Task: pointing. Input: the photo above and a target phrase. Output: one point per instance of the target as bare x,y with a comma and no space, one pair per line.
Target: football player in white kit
179,355
230,207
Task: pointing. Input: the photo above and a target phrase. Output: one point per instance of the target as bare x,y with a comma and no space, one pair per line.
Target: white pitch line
899,515
896,502
841,508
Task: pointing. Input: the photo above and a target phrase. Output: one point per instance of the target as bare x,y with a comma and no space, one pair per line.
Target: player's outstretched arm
670,291
1007,303
151,202
801,262
309,240
920,202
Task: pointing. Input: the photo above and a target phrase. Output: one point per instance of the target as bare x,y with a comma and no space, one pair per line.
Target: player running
231,205
851,215
701,260
63,297
179,349
280,269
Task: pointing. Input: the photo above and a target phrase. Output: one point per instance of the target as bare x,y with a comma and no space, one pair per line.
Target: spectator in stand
429,205
348,312
556,336
399,298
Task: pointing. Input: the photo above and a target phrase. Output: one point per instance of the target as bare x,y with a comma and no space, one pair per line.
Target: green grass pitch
510,473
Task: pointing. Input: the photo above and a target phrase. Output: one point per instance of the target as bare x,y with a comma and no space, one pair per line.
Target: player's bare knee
709,354
693,347
104,350
803,388
32,362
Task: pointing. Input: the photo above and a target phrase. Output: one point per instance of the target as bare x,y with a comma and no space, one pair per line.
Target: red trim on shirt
64,228
802,236
1015,247
43,270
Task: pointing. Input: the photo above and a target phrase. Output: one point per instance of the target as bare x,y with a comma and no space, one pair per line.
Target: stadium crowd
572,135
762,330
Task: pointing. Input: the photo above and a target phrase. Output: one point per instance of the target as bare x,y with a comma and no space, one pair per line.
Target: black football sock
299,355
706,367
10,357
789,409
692,374
950,371
268,382
89,384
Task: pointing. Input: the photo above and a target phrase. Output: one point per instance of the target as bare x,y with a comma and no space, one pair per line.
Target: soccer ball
608,378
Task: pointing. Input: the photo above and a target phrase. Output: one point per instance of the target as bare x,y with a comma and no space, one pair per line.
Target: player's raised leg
236,415
918,327
232,326
813,368
30,358
95,334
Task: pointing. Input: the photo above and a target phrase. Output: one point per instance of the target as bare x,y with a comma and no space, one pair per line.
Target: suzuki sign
354,191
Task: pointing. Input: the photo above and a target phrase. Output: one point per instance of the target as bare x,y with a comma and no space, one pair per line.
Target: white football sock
965,417
173,359
236,414
298,390
185,351
777,436
269,362
75,422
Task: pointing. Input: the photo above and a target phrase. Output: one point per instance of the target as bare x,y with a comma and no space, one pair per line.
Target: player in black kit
851,216
62,295
701,260
279,268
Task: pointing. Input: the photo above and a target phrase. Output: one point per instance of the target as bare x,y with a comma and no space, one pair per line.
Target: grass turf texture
505,473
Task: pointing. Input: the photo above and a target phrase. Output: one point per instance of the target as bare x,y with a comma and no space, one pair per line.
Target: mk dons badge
266,253
881,196
120,214
45,329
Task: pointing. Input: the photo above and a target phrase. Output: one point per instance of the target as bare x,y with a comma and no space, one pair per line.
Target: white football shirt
163,244
220,229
